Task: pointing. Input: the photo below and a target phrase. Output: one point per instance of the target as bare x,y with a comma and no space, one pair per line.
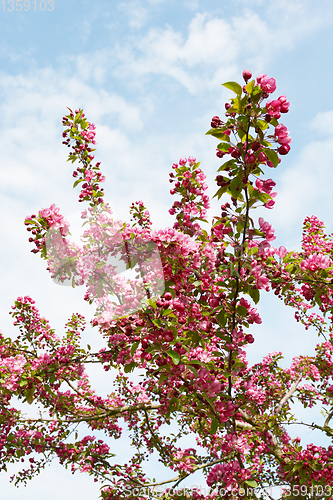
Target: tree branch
288,395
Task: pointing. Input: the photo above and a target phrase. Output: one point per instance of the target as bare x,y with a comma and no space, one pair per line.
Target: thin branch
108,413
330,415
288,395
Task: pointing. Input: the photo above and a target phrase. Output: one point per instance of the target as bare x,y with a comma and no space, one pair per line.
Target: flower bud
247,75
283,150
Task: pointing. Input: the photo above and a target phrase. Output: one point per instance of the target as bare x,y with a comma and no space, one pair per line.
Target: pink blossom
274,108
89,174
315,261
282,252
263,282
284,104
267,84
281,133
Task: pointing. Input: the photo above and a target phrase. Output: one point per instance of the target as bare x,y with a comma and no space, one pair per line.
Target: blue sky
149,74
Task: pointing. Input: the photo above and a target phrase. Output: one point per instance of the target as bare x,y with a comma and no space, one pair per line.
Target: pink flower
262,282
269,204
284,104
267,84
281,133
260,77
274,108
89,174
281,252
183,161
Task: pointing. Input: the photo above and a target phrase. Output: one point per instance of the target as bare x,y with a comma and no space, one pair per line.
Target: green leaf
256,94
242,310
234,86
169,313
220,192
254,294
29,395
129,367
302,475
262,124
318,299
223,146
193,370
252,483
236,187
221,319
134,348
274,122
228,163
214,425
174,356
249,86
272,156
252,250
219,134
236,105
297,467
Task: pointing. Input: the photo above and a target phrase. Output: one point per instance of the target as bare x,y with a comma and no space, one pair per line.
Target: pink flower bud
250,159
216,122
247,75
255,146
213,302
283,150
262,157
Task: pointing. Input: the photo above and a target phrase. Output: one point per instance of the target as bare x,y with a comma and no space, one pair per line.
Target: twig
288,395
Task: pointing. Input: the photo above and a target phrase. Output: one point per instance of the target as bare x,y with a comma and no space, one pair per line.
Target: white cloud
323,123
136,13
214,42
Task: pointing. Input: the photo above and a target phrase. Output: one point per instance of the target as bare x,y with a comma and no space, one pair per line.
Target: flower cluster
140,215
190,184
79,135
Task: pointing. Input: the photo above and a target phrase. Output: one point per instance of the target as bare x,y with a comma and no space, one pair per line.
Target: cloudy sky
148,73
